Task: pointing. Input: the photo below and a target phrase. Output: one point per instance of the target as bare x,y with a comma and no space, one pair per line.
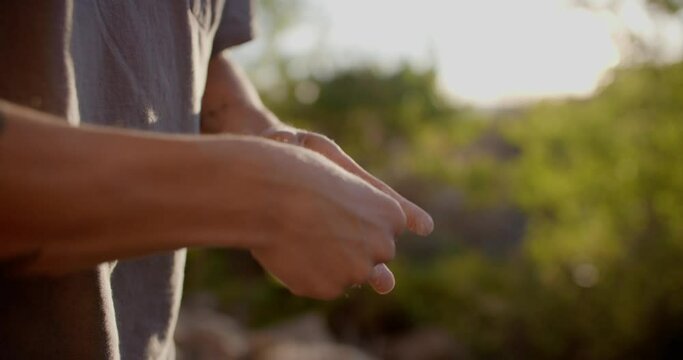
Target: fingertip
419,221
425,225
382,279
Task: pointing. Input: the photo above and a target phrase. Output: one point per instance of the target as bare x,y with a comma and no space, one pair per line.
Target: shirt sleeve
235,25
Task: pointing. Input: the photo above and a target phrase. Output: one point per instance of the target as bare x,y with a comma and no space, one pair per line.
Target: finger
384,249
382,279
284,136
418,220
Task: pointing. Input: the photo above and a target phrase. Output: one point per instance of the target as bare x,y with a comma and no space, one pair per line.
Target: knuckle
361,275
387,251
392,205
283,136
400,220
306,138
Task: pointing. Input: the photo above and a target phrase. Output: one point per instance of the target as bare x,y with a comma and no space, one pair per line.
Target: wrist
239,118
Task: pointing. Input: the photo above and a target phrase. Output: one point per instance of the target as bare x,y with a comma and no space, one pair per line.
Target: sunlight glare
489,53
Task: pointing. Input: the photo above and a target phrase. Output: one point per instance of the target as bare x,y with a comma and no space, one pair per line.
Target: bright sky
487,52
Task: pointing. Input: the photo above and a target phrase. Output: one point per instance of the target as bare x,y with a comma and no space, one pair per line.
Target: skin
309,214
232,105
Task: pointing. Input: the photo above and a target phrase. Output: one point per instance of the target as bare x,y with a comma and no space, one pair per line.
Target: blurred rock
305,337
307,328
291,350
428,343
203,334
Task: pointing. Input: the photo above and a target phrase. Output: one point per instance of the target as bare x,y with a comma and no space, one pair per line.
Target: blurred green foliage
596,271
668,5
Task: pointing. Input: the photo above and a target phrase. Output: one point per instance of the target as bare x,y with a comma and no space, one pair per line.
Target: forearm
71,198
230,103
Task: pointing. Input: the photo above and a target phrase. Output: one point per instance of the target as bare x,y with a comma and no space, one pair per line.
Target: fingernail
382,279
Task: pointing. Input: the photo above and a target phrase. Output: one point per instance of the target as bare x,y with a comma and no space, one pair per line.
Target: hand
231,105
252,120
331,229
418,220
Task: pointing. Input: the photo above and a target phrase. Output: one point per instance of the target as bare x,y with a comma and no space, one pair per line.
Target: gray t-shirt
125,63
